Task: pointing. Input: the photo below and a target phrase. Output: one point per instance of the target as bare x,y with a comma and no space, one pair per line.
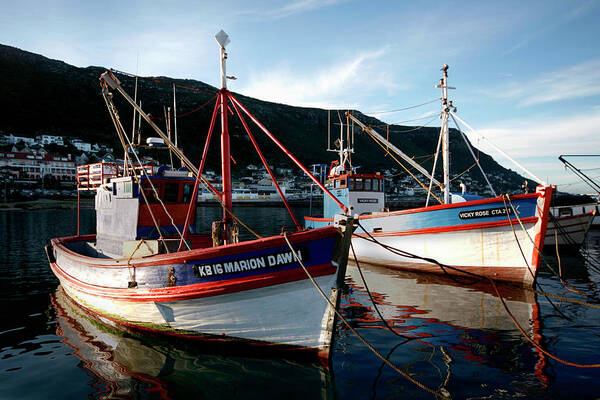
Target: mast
376,136
223,40
445,132
341,146
175,116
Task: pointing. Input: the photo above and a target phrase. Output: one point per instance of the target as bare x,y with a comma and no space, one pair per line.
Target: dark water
456,339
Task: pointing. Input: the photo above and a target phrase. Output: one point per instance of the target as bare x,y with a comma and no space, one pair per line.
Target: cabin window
171,192
368,184
565,211
376,185
150,195
352,183
187,193
359,184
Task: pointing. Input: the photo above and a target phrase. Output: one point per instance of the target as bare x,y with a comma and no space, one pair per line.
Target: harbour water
451,337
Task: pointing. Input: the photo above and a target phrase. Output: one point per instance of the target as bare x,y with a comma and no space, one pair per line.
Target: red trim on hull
540,236
453,228
434,208
199,290
587,214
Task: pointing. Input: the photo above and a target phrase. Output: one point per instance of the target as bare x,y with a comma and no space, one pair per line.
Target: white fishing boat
499,237
147,268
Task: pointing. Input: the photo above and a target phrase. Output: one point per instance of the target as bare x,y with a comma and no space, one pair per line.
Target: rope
473,154
143,170
371,296
115,118
349,326
403,109
472,274
464,172
185,114
202,180
565,284
160,82
406,254
530,340
409,120
403,166
521,249
536,345
129,267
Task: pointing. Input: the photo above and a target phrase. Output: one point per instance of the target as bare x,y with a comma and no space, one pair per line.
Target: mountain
41,95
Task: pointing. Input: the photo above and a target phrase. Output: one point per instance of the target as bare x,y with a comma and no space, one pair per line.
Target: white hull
570,231
492,252
293,313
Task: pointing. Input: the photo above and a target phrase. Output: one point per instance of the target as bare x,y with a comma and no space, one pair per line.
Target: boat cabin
361,193
151,206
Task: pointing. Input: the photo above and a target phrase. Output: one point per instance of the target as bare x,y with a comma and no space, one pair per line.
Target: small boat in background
465,235
569,225
148,269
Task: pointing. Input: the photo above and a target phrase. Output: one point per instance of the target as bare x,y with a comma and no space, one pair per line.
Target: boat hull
474,237
569,231
253,292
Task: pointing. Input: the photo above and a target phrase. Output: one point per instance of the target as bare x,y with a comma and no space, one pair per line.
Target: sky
527,73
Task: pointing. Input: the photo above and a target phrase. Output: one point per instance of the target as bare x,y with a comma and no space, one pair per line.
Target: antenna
444,132
328,130
223,40
175,115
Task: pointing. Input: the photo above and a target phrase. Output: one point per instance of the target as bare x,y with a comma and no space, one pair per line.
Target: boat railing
91,176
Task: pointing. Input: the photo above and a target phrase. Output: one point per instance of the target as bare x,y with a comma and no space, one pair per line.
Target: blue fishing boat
465,235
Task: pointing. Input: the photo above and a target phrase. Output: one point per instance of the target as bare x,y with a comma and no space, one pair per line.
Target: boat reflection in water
465,326
128,366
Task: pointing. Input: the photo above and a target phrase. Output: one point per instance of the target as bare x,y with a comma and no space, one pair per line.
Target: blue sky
527,73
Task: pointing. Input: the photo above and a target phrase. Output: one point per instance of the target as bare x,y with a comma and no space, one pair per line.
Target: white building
31,166
16,139
48,139
81,145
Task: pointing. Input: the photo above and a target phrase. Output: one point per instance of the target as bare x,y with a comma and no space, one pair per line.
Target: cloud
562,19
296,7
576,81
537,143
576,134
328,87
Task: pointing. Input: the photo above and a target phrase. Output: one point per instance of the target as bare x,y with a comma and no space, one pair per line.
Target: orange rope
536,345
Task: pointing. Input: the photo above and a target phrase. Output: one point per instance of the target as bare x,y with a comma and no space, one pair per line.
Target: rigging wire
162,82
402,109
185,114
145,173
493,283
358,335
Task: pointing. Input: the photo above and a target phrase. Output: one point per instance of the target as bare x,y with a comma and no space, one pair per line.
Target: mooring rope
371,296
537,346
539,252
349,326
530,340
